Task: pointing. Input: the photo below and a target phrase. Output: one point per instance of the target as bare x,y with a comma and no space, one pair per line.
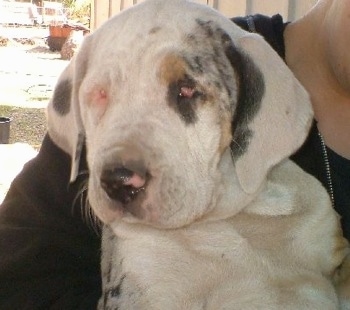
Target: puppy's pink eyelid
102,94
187,92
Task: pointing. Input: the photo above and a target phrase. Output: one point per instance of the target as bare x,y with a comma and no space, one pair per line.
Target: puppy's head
177,106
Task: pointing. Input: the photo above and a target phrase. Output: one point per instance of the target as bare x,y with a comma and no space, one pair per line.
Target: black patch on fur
62,97
112,293
186,107
250,84
251,89
214,34
208,26
115,292
196,65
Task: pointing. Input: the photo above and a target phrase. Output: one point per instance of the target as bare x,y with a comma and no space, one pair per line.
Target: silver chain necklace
328,168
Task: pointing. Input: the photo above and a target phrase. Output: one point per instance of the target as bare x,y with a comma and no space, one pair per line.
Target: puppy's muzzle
122,184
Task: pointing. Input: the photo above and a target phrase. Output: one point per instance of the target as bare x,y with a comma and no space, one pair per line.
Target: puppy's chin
138,211
109,210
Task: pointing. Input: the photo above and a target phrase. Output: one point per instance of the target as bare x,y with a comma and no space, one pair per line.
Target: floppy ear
273,113
64,120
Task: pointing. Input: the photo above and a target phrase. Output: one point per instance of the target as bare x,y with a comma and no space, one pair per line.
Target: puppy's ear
65,125
273,113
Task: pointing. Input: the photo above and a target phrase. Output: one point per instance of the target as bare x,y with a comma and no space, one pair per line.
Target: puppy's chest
191,270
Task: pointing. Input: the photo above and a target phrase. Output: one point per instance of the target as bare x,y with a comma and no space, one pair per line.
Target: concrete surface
12,159
28,75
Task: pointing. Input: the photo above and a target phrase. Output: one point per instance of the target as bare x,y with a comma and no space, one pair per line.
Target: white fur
256,233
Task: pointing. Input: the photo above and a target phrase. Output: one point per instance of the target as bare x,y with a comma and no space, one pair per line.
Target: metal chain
328,168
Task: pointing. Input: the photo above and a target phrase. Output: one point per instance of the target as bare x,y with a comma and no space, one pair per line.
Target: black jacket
49,257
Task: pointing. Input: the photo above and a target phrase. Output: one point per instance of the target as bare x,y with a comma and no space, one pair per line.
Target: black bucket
5,130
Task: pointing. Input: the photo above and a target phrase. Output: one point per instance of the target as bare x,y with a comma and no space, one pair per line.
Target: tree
78,10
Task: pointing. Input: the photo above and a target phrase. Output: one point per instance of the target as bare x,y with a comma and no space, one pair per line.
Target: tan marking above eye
172,69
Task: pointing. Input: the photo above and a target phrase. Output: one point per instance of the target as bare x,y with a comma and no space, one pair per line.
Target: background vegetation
79,10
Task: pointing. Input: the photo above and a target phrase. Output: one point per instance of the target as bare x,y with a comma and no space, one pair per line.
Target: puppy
188,123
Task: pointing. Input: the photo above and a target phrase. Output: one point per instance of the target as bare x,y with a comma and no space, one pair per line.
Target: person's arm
49,256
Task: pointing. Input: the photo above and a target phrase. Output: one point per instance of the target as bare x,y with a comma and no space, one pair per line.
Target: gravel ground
28,125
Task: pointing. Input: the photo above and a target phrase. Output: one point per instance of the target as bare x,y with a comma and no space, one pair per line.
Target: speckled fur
225,220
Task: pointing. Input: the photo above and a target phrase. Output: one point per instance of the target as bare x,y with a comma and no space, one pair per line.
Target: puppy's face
157,121
164,93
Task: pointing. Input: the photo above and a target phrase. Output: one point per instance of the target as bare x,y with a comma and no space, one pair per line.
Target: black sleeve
271,28
49,256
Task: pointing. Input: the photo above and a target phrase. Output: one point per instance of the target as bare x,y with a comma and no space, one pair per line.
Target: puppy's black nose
121,184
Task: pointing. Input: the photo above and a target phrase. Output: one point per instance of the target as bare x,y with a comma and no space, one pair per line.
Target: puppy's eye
187,92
